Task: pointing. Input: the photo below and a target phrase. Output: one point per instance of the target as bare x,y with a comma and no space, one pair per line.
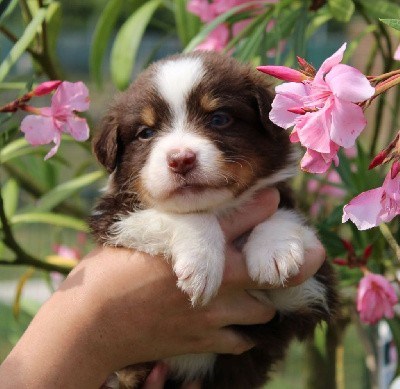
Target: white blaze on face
175,80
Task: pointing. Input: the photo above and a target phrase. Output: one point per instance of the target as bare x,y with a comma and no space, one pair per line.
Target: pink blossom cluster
47,124
375,206
208,11
323,108
376,298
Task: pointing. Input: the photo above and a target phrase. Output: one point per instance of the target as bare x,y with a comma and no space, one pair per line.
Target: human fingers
239,308
263,205
157,377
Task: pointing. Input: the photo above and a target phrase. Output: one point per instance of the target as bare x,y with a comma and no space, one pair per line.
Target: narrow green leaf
23,43
203,33
381,9
65,190
187,24
7,151
127,43
53,25
101,37
341,10
394,23
10,192
50,218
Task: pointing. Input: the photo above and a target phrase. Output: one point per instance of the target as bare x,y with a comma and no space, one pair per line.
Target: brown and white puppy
188,141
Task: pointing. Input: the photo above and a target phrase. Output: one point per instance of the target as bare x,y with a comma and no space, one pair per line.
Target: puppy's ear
264,98
105,144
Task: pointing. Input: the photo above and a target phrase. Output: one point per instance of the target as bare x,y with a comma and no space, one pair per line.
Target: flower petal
333,60
77,127
348,121
314,162
313,130
396,55
38,130
70,96
348,83
288,95
364,209
54,149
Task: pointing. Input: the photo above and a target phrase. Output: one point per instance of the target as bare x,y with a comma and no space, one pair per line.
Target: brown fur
252,147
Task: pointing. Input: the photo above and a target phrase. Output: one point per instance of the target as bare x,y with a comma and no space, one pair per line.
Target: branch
14,39
22,257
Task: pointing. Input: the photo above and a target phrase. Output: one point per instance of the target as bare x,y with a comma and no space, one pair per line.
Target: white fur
175,79
161,183
301,297
183,224
194,242
275,248
191,366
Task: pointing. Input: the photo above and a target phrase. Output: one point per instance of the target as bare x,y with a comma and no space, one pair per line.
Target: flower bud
45,88
283,73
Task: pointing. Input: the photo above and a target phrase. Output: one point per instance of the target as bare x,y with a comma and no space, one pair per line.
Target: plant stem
387,234
21,256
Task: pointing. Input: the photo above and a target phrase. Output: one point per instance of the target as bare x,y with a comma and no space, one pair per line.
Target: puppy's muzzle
181,161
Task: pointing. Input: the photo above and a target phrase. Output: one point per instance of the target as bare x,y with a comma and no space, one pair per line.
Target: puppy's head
192,133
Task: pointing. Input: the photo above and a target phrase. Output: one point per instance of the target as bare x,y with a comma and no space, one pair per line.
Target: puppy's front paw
275,249
273,261
196,279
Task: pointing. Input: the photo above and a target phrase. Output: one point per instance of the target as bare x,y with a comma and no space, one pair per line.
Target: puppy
188,141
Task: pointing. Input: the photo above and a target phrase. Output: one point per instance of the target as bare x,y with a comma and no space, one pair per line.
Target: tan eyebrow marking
148,116
209,103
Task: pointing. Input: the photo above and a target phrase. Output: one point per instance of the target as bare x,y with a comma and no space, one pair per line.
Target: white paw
275,249
275,261
199,281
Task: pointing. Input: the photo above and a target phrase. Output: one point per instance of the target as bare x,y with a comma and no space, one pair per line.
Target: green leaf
23,43
127,43
206,29
394,23
381,9
101,36
10,192
341,10
187,24
65,190
53,25
50,218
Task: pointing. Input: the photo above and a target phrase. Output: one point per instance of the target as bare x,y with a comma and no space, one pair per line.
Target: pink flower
396,55
67,252
45,88
283,73
203,9
216,40
48,123
375,206
375,298
323,110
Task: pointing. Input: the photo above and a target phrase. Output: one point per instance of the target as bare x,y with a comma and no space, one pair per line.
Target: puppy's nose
181,161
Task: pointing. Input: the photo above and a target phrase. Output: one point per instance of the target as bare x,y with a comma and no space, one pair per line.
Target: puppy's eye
220,119
145,133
